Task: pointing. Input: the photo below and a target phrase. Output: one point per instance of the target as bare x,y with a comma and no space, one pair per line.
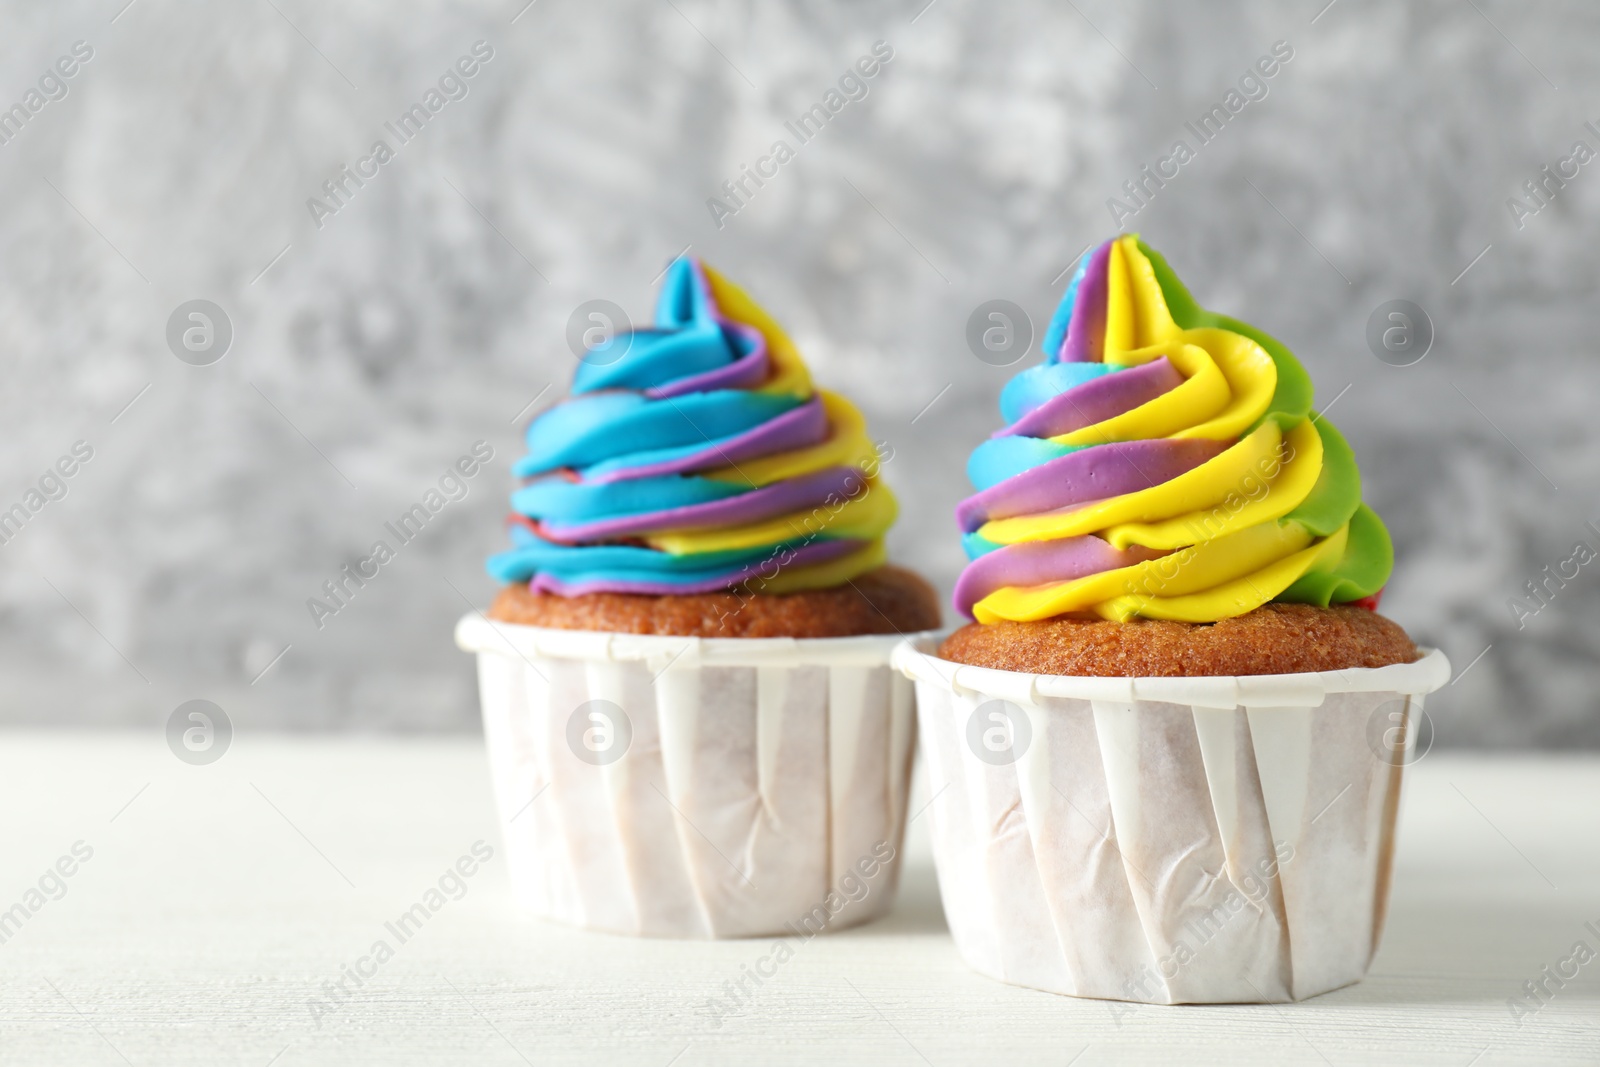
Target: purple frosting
1096,400
796,428
815,552
1097,473
746,372
1086,330
1041,563
780,498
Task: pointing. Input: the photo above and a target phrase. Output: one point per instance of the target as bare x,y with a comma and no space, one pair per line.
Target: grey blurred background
431,309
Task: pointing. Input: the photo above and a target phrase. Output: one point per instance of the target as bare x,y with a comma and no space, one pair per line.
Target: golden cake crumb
885,601
1273,639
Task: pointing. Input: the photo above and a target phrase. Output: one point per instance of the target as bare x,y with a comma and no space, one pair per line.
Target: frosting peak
1161,463
696,456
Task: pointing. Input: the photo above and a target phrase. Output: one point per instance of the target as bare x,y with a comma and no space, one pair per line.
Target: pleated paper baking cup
696,787
1167,840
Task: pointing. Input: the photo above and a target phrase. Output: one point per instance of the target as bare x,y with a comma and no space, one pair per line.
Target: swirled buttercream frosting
1161,463
695,456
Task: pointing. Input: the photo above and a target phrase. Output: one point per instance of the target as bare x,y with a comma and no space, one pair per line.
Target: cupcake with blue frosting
693,727
697,483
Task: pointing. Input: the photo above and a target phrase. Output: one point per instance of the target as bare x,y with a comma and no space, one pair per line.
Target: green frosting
1337,494
1336,498
1291,401
1361,571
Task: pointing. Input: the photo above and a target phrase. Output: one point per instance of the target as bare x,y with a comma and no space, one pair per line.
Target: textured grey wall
430,309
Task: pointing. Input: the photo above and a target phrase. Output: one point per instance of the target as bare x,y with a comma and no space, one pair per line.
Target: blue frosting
615,563
1032,387
1056,335
563,502
623,459
975,545
688,340
587,430
998,458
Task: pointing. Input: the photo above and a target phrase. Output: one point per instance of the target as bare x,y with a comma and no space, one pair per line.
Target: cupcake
1170,743
693,727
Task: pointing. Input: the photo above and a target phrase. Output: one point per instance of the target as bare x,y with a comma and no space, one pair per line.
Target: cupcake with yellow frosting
1175,665
1163,464
692,722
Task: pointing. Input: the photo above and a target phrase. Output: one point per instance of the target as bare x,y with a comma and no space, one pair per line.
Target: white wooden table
219,899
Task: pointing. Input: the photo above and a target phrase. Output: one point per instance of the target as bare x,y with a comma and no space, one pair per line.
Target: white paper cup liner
696,787
1166,840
